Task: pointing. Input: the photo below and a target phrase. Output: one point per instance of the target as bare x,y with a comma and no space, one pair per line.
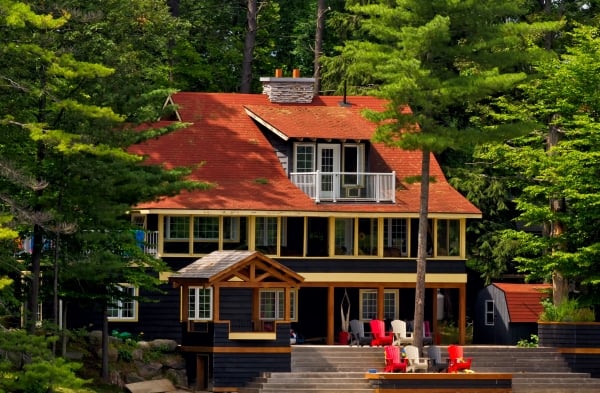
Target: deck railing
347,186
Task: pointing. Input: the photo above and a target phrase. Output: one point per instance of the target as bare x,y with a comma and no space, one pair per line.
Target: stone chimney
294,90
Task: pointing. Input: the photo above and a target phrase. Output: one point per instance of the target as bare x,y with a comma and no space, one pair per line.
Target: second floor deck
347,186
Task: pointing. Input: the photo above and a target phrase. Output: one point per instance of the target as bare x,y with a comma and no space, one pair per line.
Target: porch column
286,306
217,303
380,303
330,311
462,313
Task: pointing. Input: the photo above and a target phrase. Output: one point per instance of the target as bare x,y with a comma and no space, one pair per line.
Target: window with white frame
396,236
368,304
231,229
200,304
272,304
206,228
266,231
177,227
124,307
353,163
304,154
489,313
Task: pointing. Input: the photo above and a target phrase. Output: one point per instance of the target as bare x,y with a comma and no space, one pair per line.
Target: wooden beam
330,319
380,303
462,314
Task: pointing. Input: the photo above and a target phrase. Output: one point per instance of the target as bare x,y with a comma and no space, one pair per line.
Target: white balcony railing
151,243
347,186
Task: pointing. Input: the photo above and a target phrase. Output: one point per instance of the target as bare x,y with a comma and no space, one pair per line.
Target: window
354,157
489,313
368,304
124,307
448,238
367,236
266,231
206,228
305,157
272,304
231,229
395,237
177,228
200,304
344,239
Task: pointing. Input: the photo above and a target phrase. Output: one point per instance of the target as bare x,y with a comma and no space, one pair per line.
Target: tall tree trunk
34,293
321,10
249,43
560,284
105,374
419,315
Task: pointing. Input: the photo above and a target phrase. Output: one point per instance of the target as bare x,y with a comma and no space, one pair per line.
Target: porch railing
347,186
150,244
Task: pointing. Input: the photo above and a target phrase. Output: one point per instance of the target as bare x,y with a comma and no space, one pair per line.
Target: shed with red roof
506,313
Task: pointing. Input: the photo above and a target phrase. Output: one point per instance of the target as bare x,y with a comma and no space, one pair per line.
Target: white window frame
168,227
369,311
313,163
360,163
279,309
395,230
268,235
119,307
490,318
194,304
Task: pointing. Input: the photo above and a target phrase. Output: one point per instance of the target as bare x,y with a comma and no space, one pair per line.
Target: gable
235,269
524,300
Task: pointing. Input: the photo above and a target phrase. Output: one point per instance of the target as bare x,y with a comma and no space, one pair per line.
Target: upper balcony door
328,164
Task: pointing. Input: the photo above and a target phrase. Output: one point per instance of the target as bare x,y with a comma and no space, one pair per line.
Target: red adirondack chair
456,361
393,361
379,336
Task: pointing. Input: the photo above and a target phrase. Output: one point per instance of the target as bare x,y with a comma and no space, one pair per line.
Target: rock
164,345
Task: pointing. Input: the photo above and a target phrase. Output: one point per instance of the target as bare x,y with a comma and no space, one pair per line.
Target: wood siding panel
235,370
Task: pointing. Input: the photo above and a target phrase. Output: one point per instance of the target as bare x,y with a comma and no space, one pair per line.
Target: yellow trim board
253,336
382,277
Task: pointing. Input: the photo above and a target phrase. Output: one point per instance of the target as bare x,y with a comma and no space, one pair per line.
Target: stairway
341,369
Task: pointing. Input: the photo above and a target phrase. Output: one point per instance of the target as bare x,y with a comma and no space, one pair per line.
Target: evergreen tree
56,133
449,62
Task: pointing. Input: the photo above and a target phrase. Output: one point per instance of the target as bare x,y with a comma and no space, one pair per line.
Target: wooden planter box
579,342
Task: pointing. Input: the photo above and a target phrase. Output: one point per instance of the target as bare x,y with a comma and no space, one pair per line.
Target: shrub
533,342
567,311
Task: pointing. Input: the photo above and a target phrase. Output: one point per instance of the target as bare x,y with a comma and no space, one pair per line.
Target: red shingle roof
225,146
524,300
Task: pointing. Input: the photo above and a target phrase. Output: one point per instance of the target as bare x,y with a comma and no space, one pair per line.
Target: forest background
505,91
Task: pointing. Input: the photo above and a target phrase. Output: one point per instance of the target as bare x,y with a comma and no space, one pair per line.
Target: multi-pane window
272,304
305,157
395,237
206,228
368,304
124,306
367,236
200,304
448,237
266,231
177,227
231,229
489,313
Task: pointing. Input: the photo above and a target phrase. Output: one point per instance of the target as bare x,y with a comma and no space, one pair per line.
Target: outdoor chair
401,337
436,364
379,335
456,360
393,360
415,363
357,334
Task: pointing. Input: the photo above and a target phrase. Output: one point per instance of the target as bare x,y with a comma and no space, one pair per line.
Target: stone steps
341,369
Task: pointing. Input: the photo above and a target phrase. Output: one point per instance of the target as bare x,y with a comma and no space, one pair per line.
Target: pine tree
449,62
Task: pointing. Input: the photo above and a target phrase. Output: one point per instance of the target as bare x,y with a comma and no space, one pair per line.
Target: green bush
567,311
533,342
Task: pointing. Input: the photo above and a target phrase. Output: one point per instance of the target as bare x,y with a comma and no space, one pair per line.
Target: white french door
328,163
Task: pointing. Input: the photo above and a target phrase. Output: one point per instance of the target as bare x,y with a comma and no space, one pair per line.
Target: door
328,164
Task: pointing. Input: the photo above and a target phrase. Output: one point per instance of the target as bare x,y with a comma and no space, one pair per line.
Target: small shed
236,309
506,313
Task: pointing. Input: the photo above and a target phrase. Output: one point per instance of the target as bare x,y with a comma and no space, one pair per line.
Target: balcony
347,186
